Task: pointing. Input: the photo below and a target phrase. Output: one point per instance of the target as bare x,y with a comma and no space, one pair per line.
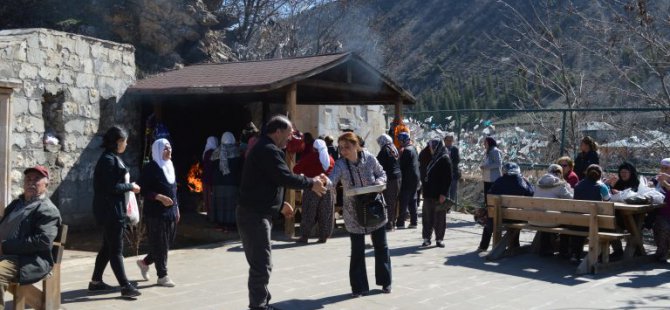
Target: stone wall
367,121
72,89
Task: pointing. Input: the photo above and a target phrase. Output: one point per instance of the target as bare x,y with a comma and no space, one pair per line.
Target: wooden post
497,218
5,146
291,110
398,108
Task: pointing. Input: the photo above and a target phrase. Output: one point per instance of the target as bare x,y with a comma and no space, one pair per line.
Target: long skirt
224,203
315,210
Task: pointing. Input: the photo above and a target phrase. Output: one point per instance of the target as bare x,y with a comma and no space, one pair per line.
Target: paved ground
315,276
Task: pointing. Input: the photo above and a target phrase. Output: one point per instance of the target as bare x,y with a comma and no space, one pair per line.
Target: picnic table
593,219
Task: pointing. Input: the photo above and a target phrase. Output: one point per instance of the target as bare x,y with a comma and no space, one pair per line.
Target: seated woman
626,178
661,226
551,185
568,166
590,188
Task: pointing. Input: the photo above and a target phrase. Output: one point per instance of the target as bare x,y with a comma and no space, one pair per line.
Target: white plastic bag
622,195
132,209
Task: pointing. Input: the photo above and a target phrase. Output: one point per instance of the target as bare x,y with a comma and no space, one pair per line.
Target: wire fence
535,138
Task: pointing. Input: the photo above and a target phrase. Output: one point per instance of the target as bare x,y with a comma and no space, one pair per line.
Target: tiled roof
235,77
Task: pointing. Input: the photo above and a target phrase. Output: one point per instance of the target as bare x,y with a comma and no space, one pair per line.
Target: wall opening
52,114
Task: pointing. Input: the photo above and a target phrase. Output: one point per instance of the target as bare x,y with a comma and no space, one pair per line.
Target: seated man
510,183
27,231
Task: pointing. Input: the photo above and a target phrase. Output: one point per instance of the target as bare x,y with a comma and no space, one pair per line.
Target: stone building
58,92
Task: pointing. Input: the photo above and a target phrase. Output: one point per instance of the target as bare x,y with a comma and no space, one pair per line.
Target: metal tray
365,190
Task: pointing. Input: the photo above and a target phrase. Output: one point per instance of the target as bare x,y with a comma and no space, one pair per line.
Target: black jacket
109,187
231,179
390,163
264,176
583,161
512,184
34,241
154,182
438,180
455,157
409,168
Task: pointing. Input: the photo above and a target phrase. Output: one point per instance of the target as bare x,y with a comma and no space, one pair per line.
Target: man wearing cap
27,231
510,183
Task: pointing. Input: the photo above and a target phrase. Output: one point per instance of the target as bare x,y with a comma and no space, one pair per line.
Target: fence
535,138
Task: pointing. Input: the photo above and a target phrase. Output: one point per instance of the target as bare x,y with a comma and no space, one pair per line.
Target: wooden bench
592,219
48,298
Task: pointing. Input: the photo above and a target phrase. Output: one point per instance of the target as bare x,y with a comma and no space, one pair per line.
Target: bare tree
251,14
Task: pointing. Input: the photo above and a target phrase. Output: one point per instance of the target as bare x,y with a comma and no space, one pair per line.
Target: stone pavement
315,276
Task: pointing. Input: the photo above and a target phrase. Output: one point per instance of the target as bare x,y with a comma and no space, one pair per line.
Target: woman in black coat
161,210
110,183
436,185
587,156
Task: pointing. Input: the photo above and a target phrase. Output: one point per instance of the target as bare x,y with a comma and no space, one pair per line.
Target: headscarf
227,149
166,165
665,162
211,144
386,141
439,151
634,180
404,139
320,146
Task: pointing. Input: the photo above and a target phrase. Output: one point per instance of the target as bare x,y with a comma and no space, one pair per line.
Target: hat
553,168
511,169
39,169
665,162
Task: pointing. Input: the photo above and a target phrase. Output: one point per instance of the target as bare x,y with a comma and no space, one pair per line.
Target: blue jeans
358,277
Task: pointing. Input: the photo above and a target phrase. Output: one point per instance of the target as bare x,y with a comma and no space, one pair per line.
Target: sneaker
479,250
321,240
165,281
144,269
129,291
411,226
99,286
386,289
439,243
426,242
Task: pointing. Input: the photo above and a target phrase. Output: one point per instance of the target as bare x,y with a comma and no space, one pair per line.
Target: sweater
153,182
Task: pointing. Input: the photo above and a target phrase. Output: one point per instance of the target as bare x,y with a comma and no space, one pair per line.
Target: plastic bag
132,209
621,196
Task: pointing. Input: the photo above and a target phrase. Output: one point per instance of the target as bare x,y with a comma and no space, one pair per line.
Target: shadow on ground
309,304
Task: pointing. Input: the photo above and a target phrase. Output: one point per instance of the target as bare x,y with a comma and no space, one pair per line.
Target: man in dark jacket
264,176
27,232
455,157
409,171
510,183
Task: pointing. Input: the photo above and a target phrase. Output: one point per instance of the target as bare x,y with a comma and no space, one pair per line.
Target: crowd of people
245,182
581,179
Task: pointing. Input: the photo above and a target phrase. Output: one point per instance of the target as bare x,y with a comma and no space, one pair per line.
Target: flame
195,178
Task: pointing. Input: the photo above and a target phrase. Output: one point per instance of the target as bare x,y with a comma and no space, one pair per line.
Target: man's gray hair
277,122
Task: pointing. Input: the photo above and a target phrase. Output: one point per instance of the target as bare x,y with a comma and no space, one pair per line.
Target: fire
195,178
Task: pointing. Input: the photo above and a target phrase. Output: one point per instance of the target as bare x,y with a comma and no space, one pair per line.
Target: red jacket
311,167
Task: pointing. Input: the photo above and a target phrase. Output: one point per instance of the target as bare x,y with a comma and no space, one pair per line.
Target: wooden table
633,219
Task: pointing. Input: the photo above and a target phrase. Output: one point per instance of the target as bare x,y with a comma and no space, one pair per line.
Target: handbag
370,208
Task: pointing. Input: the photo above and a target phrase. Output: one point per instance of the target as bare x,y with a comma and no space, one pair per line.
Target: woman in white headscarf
208,172
226,158
316,209
161,209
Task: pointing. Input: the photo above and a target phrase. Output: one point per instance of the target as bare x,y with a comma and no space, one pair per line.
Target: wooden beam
382,90
291,110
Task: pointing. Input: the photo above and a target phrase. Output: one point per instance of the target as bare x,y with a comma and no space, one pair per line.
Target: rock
28,72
